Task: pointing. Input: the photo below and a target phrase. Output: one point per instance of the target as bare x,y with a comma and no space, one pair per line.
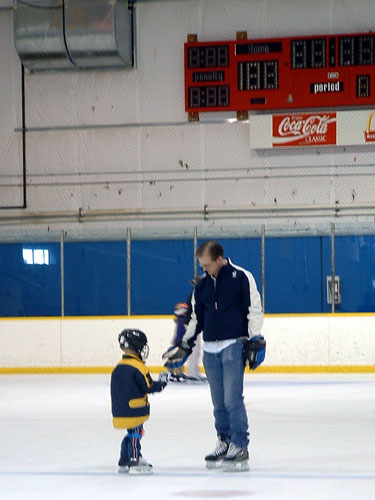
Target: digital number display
215,56
356,50
258,75
308,53
363,86
215,96
280,73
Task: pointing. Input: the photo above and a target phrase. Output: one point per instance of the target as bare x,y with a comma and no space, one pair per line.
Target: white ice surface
312,437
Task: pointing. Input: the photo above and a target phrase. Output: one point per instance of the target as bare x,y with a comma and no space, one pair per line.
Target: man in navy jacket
226,307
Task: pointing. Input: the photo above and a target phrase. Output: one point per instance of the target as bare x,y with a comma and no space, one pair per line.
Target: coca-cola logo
304,129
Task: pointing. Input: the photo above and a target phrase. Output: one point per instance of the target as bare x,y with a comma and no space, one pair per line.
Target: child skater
130,383
180,311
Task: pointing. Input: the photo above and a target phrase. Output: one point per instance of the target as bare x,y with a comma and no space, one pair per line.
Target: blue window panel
243,252
30,289
292,275
355,264
160,274
95,278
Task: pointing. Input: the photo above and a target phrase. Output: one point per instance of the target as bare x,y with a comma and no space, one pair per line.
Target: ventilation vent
73,34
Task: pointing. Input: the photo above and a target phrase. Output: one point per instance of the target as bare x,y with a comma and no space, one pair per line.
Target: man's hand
254,351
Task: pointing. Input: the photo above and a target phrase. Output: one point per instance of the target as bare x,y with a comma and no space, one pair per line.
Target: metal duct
39,34
73,34
99,33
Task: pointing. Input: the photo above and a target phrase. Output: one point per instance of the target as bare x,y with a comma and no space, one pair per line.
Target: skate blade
140,470
123,469
214,465
236,466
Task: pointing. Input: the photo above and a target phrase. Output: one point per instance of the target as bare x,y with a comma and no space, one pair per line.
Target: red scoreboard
280,73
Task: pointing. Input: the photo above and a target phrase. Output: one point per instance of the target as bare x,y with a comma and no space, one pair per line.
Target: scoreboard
280,73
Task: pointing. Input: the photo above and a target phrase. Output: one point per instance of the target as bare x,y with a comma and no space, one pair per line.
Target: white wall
292,341
157,167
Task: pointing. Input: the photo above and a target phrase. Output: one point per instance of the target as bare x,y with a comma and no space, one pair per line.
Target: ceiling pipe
204,213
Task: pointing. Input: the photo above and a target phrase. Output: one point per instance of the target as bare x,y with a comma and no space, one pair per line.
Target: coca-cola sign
310,129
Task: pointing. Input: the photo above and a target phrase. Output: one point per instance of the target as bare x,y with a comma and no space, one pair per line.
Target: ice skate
140,466
214,459
123,465
177,377
236,459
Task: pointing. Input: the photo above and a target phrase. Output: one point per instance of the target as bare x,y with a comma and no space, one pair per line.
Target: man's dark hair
213,248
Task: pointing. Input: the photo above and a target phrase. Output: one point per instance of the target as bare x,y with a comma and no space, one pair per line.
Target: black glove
254,351
164,379
176,356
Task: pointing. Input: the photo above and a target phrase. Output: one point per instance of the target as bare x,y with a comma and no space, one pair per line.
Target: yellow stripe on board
315,369
320,315
83,318
169,316
55,369
157,369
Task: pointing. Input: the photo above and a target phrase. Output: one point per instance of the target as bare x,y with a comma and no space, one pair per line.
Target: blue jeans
225,373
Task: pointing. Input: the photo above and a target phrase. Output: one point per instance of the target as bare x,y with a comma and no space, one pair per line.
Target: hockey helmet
135,340
181,308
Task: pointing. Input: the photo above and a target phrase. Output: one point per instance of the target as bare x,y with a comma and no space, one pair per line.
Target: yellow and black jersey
130,383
